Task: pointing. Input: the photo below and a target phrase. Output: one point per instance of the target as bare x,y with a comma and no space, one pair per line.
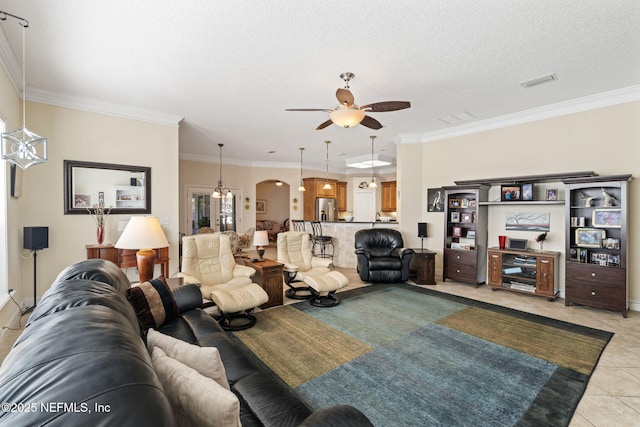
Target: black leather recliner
381,256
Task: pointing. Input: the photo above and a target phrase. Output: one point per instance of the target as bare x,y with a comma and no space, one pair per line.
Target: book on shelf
523,287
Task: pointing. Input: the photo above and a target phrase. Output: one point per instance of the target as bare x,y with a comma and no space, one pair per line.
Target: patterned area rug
410,356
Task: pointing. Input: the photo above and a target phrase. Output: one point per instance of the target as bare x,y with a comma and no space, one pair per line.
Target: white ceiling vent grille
539,80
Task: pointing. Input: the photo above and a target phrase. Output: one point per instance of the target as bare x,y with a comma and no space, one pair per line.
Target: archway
272,204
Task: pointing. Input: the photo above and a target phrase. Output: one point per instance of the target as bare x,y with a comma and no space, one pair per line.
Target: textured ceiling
230,69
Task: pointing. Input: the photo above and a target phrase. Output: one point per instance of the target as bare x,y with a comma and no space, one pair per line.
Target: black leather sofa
82,361
381,257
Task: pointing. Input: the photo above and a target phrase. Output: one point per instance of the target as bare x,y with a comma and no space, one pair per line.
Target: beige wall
80,135
604,140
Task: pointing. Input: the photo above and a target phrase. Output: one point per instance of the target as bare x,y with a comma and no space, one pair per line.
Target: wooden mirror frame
69,196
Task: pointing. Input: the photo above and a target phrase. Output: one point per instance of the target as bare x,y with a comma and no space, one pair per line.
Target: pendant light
301,188
221,189
372,184
327,186
23,147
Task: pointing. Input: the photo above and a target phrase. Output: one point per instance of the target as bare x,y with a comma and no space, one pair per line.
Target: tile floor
612,397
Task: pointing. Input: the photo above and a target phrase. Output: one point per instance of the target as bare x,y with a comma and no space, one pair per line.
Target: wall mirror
124,189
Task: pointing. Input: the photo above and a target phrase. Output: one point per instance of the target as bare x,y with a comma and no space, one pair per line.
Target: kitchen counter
343,234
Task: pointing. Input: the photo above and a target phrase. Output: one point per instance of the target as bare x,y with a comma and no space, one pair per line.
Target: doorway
206,211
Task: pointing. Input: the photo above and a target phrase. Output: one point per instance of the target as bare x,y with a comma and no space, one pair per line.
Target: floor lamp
143,234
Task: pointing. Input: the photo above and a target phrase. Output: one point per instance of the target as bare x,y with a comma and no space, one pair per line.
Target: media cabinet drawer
592,273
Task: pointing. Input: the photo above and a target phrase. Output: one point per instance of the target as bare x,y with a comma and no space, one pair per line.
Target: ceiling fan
348,114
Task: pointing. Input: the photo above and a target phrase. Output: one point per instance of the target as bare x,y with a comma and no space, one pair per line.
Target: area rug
409,356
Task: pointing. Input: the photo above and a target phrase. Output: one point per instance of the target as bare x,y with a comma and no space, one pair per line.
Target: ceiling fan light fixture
346,117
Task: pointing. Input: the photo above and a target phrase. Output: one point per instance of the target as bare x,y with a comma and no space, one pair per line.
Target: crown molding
591,102
102,107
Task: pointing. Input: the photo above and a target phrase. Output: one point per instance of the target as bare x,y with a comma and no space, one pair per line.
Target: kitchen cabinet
388,189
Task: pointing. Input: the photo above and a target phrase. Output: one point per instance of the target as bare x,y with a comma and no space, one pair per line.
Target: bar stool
298,225
321,243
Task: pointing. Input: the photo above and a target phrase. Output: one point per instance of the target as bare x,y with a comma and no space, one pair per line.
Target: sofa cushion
196,400
205,360
153,302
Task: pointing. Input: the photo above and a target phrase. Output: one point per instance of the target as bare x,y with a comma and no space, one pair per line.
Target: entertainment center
595,230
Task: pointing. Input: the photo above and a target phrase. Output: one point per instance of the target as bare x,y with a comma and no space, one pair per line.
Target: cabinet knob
457,271
457,256
593,274
593,293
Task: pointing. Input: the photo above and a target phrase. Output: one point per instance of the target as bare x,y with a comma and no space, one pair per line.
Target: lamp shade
142,232
261,238
346,117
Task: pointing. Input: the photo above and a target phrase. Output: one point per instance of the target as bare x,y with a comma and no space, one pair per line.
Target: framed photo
466,217
510,193
582,255
435,197
465,203
552,194
472,203
82,201
471,234
527,191
613,259
611,243
599,258
455,216
261,206
16,181
607,217
590,237
573,254
456,231
101,198
455,203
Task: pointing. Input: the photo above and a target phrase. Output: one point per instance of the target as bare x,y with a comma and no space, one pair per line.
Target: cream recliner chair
294,250
207,260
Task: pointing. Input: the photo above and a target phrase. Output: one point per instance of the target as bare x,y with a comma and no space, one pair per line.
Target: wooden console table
422,267
269,275
125,258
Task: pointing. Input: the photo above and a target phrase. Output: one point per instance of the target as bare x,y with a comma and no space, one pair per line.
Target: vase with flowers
541,238
99,214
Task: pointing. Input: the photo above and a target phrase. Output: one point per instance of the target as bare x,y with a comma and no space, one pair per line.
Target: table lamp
260,240
144,234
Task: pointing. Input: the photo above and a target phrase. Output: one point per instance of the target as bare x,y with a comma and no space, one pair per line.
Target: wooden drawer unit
269,275
460,265
126,258
596,286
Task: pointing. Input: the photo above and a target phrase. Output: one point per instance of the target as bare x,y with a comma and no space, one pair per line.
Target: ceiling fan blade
309,109
324,125
380,107
345,97
371,123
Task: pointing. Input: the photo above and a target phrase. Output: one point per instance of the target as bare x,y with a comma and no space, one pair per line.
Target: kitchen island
343,234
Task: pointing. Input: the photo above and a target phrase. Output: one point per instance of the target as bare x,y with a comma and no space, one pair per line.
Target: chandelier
23,147
221,189
327,186
372,184
301,188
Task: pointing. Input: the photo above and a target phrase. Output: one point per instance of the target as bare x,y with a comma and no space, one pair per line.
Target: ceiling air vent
539,80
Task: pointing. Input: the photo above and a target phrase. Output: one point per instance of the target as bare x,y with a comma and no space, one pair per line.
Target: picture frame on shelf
613,259
527,191
466,217
611,243
456,231
464,203
510,193
573,254
600,258
590,237
552,194
472,203
577,221
471,234
455,216
455,203
583,255
607,217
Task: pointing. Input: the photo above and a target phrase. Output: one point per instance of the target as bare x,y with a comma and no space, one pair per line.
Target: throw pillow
196,400
205,360
153,302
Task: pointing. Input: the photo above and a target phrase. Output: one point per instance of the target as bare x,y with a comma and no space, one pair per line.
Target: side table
269,275
422,267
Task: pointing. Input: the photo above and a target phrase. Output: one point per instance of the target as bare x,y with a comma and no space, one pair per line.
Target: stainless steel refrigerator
326,209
